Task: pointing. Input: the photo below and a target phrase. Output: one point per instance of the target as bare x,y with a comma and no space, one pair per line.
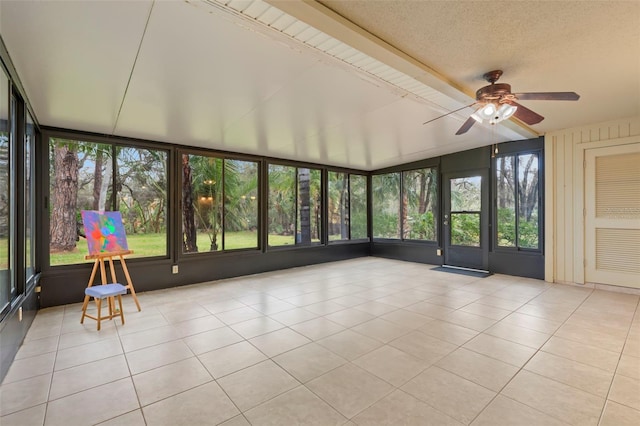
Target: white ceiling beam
333,24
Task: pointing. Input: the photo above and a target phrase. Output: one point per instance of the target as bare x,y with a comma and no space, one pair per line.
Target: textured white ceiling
237,76
590,47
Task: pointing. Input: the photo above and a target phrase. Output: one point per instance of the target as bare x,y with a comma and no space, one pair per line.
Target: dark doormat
461,271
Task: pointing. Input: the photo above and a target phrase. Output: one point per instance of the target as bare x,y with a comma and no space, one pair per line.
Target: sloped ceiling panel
74,58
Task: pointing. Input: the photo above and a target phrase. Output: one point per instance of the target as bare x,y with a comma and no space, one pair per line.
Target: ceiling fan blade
466,126
547,96
449,113
525,114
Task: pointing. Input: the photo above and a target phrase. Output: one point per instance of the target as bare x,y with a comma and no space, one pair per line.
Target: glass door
465,220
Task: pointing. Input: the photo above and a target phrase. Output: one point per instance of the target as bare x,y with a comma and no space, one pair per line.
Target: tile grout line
529,359
613,377
255,287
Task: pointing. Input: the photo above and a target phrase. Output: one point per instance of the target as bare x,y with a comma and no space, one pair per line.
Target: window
82,176
294,208
6,195
282,205
29,198
517,201
202,187
347,206
466,207
338,206
309,206
219,204
240,204
409,213
358,206
141,197
386,205
419,198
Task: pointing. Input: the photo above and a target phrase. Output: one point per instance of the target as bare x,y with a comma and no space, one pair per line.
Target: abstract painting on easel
104,231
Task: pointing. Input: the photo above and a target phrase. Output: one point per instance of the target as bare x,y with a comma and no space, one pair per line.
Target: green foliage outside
4,253
386,205
506,227
465,229
385,225
413,210
358,223
423,227
528,231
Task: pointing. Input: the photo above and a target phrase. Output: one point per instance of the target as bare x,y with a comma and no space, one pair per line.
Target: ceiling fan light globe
505,111
488,110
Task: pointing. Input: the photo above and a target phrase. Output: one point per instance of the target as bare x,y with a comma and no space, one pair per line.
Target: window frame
402,185
7,288
435,197
350,238
366,209
29,200
44,241
322,231
181,254
539,152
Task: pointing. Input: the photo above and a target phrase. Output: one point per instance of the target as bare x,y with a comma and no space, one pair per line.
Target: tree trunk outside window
65,193
305,206
188,215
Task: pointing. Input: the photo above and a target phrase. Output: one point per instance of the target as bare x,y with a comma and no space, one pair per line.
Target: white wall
564,192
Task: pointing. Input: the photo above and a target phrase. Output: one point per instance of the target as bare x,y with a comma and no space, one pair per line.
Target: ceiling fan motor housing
493,92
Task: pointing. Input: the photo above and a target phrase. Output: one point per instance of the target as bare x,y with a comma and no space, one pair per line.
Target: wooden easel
99,261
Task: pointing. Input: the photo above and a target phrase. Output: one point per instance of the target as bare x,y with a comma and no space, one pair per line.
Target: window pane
282,205
29,198
80,178
201,206
241,204
12,194
141,179
528,201
505,192
419,197
338,206
358,205
309,206
5,205
465,229
386,205
466,194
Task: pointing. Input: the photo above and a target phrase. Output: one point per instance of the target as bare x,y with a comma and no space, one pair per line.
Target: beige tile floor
366,342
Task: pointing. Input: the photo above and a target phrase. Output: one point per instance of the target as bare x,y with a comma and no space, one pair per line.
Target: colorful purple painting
104,231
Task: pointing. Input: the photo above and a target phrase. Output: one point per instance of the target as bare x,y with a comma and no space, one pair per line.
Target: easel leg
121,312
86,298
103,272
129,283
103,275
84,309
99,305
112,303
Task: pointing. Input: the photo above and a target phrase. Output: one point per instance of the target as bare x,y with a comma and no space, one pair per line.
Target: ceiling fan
497,103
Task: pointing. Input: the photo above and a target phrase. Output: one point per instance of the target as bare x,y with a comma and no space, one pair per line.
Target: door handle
446,222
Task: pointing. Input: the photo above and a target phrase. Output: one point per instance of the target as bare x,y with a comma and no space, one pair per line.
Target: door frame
465,256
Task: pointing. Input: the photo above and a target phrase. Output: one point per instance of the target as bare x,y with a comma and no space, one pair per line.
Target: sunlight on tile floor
366,342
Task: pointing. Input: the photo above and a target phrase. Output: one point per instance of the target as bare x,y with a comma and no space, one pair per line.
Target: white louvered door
612,215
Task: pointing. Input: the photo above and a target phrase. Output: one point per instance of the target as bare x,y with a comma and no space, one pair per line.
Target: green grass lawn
146,245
